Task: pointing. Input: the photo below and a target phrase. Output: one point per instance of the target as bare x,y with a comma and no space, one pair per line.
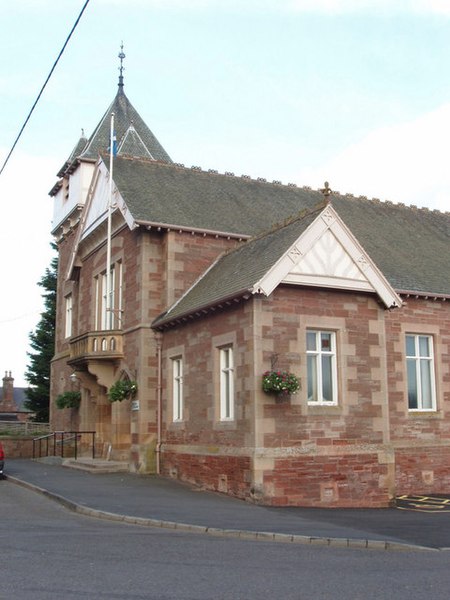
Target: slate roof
125,115
163,194
409,245
384,228
133,145
71,161
237,271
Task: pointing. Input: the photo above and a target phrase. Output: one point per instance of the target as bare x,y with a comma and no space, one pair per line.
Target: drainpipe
159,402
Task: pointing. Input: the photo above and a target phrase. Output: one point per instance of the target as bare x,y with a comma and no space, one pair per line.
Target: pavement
154,501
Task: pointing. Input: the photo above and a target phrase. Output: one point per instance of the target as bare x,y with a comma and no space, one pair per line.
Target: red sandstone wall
186,257
422,470
357,416
334,458
157,268
202,425
432,318
328,481
372,411
17,448
209,464
421,439
341,470
229,475
331,476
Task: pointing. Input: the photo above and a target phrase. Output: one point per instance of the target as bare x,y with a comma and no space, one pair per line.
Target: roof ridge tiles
278,183
199,169
387,202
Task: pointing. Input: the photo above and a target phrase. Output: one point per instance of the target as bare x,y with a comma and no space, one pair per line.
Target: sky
354,92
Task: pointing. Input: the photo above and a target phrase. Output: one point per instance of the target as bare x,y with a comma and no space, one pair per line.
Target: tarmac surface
150,500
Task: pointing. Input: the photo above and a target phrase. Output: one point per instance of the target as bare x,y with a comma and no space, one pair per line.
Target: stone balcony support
99,353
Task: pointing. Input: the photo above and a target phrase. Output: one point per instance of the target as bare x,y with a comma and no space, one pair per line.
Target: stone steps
96,465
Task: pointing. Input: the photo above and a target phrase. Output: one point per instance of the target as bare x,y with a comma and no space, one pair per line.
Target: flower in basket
121,390
280,382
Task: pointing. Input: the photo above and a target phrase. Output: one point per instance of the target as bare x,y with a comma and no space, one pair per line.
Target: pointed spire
121,55
141,142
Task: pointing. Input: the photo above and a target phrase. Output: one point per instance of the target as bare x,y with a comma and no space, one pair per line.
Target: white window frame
177,389
226,362
68,316
419,361
104,301
317,355
113,320
119,285
97,302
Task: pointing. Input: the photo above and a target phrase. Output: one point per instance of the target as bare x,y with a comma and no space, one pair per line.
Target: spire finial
121,55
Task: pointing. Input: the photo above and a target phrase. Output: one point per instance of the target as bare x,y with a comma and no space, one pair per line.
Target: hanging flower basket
68,400
280,383
122,390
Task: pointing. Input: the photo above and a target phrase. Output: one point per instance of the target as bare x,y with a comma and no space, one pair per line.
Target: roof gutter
182,228
425,295
167,320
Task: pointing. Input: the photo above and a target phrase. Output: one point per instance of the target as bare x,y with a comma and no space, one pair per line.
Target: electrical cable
45,84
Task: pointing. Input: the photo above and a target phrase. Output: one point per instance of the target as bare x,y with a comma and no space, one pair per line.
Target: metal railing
58,442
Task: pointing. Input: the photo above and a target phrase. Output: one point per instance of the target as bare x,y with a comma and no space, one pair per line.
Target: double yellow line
424,503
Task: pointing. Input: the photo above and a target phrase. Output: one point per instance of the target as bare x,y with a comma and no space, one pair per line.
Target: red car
2,459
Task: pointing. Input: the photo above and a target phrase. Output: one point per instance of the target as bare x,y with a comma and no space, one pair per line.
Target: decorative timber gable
316,249
328,255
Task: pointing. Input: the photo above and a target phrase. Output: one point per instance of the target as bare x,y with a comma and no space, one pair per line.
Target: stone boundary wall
17,447
423,470
226,474
24,428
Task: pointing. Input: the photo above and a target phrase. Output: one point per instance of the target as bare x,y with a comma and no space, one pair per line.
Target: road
50,553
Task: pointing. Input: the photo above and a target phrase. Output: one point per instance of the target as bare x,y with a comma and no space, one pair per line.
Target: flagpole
109,231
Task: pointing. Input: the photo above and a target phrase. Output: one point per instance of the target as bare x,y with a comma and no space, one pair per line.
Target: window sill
230,425
423,414
320,409
177,424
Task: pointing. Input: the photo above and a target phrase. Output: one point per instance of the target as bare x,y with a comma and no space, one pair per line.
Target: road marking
423,503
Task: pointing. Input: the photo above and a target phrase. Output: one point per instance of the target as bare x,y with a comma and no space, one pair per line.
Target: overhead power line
43,87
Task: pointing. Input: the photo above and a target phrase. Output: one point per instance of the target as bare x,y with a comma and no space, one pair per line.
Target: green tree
42,342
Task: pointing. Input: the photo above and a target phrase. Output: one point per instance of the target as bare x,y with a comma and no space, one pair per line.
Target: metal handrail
64,438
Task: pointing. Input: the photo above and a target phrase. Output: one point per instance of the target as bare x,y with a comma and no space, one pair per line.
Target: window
177,388
226,384
68,319
321,366
109,317
420,372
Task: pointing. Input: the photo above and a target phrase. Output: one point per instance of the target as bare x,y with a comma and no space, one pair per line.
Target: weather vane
121,55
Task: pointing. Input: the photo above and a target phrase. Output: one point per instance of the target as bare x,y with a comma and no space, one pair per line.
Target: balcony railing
96,345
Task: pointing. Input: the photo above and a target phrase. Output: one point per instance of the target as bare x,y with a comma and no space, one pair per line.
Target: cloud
377,7
330,7
326,7
408,163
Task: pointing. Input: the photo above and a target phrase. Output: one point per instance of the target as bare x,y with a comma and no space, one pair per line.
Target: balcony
96,346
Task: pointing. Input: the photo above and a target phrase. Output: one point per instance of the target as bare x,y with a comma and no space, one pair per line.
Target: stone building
215,279
12,401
